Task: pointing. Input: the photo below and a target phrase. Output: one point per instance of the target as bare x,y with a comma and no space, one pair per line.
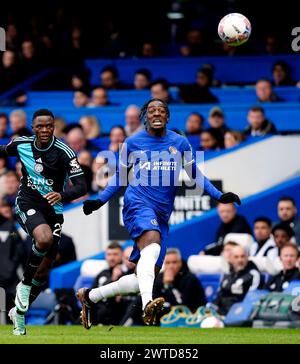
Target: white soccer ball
234,29
211,322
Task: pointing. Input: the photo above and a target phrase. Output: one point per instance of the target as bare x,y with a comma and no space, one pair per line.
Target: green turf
148,335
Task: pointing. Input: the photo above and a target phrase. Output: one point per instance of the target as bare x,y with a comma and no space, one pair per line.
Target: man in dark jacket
231,222
288,255
177,285
12,255
243,277
287,213
258,124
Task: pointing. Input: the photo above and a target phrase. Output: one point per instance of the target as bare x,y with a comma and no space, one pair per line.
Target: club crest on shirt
172,150
38,167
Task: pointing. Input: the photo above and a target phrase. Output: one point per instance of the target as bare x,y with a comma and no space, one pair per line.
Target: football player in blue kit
47,165
154,159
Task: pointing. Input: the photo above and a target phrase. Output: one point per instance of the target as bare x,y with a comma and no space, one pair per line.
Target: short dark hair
114,245
145,72
285,227
257,108
111,69
263,219
288,198
42,112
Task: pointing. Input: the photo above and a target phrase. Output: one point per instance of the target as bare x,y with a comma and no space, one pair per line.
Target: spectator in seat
90,126
281,74
264,245
258,124
231,222
30,61
132,120
18,123
199,92
160,90
232,138
149,49
10,73
3,125
109,77
111,310
243,277
283,234
216,120
210,140
76,139
287,212
142,79
81,98
289,255
265,93
117,136
11,184
99,97
80,79
194,124
59,127
177,285
196,44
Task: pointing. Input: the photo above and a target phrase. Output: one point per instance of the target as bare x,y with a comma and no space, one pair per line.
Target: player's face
157,115
43,128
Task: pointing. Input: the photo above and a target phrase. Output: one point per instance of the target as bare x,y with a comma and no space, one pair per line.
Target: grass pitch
148,335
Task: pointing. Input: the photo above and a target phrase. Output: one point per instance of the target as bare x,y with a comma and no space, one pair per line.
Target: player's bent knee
44,240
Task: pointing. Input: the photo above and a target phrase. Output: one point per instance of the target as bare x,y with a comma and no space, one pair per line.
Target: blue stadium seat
210,284
293,288
83,281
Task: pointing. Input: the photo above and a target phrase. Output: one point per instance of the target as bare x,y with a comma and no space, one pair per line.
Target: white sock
125,285
145,271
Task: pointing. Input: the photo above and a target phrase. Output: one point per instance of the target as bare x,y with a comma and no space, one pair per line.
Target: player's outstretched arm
204,182
115,183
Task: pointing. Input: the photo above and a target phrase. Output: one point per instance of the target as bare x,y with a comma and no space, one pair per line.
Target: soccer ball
211,322
234,29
